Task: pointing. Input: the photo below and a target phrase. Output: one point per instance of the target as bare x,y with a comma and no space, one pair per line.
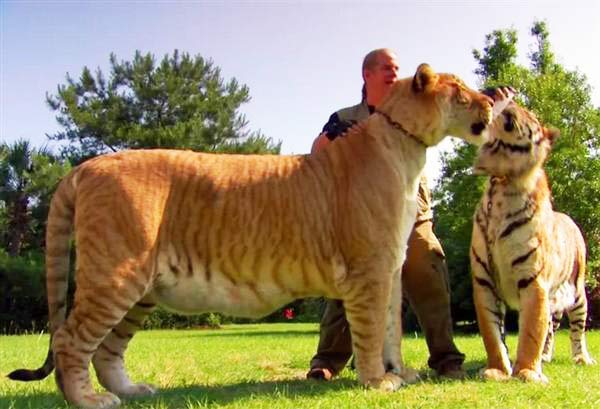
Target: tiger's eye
509,122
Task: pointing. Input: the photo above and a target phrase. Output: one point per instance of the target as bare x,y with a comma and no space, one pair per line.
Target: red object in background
288,313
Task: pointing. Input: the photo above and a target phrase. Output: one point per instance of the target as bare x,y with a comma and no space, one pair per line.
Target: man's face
380,78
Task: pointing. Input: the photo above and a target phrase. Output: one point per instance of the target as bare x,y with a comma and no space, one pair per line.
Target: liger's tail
58,235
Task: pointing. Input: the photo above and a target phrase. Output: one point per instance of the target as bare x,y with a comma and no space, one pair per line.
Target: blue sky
300,59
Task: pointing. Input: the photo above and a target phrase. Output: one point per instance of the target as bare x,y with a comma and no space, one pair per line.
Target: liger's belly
193,295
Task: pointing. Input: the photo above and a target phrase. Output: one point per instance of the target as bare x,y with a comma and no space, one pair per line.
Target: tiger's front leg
392,351
533,328
490,312
366,305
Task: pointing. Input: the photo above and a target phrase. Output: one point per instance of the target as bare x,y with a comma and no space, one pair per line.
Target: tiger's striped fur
244,235
524,254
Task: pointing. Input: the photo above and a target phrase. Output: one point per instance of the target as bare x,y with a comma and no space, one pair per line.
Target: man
424,274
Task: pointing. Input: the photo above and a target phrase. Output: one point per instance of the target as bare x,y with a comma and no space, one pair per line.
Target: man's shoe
452,370
319,374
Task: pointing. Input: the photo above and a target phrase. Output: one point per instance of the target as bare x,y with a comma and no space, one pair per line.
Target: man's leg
425,281
335,343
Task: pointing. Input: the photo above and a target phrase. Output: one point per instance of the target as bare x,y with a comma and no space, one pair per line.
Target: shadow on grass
180,397
185,396
226,333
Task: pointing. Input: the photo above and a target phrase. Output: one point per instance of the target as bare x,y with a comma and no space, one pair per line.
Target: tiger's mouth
478,127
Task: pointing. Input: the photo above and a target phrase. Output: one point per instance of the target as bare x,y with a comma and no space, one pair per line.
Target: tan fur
524,254
244,235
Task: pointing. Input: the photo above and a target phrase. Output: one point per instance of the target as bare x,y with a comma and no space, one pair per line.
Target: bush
163,319
23,305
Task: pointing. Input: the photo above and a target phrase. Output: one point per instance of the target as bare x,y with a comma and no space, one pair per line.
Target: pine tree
180,102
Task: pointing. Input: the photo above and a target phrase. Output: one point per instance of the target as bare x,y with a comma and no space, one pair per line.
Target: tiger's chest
516,247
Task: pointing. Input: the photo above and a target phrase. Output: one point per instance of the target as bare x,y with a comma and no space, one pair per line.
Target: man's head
379,71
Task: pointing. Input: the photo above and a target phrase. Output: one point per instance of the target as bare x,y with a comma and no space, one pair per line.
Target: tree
560,98
28,177
181,102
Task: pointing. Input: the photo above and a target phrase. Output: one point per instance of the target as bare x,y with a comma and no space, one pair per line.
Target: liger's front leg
392,350
366,304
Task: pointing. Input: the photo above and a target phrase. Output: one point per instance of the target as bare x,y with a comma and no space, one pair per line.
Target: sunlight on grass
263,366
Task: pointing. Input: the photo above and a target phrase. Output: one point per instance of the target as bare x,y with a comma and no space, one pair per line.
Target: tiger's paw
546,357
137,390
104,400
528,375
584,359
494,374
389,382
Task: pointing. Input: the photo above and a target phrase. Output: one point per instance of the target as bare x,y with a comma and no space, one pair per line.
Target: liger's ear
425,79
551,134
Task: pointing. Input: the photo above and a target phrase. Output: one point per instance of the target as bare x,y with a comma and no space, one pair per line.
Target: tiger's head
518,144
433,105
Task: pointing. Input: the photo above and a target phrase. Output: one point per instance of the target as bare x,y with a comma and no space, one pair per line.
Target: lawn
263,366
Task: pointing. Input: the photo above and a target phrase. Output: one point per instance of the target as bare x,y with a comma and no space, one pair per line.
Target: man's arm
332,129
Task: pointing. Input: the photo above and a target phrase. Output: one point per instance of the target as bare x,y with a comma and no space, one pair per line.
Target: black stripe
122,336
524,257
498,314
521,210
481,262
110,351
132,322
146,305
484,283
515,225
576,322
524,283
512,147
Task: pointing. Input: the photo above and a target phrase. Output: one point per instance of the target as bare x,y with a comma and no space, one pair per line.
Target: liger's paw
584,359
528,375
409,375
104,400
494,374
389,382
136,390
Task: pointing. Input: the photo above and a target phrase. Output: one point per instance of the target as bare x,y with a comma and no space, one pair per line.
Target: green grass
263,366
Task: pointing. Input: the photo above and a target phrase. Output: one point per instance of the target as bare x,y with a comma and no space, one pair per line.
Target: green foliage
560,98
179,102
162,318
22,294
28,176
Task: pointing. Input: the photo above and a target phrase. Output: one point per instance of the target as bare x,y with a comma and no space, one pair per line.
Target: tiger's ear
551,134
424,79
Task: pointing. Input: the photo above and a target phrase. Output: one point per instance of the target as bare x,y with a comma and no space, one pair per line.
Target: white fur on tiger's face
246,234
524,255
517,144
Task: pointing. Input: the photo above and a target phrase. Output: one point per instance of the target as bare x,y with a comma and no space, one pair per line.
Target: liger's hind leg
577,317
93,315
109,358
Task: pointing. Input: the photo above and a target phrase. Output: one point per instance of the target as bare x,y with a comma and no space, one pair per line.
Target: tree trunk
17,225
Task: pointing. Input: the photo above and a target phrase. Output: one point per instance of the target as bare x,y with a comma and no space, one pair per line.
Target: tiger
524,255
245,234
